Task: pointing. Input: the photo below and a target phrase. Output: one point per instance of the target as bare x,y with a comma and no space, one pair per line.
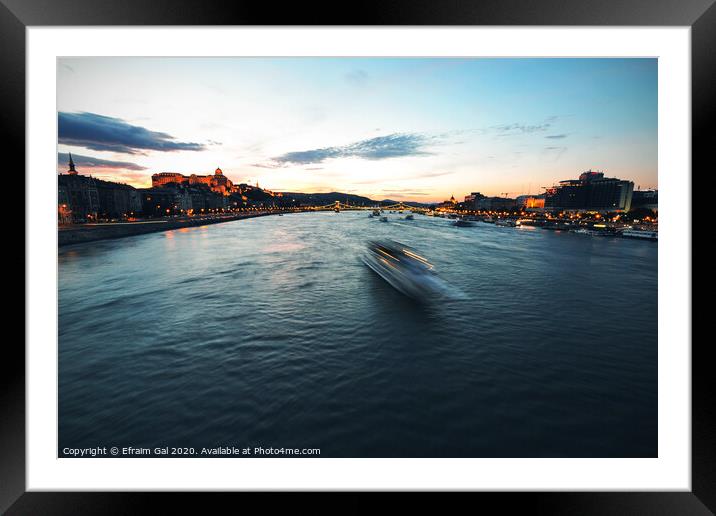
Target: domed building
449,204
220,183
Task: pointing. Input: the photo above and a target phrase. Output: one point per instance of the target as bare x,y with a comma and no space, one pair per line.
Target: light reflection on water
271,332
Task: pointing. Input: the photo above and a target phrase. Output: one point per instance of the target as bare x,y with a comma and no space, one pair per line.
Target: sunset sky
399,128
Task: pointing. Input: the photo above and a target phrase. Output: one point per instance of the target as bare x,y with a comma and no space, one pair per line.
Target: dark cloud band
90,162
104,133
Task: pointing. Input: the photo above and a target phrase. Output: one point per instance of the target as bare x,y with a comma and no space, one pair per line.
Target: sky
418,129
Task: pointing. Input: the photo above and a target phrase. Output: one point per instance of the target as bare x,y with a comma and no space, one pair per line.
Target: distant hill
387,202
318,199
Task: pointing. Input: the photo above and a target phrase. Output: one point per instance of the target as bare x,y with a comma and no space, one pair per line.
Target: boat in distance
384,219
641,234
404,269
584,231
463,223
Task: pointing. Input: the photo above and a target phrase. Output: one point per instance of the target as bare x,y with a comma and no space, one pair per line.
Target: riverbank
67,235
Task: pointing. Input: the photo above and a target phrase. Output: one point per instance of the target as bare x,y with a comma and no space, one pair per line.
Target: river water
270,332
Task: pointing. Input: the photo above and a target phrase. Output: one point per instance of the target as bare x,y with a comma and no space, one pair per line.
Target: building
530,202
591,192
78,194
117,200
162,202
477,201
450,204
64,212
472,200
218,182
648,199
179,199
164,178
204,199
199,199
85,198
495,203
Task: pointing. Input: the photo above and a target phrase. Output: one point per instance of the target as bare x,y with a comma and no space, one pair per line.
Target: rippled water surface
270,332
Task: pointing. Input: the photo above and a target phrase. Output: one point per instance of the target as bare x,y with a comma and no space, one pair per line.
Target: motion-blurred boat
404,270
463,223
384,219
409,216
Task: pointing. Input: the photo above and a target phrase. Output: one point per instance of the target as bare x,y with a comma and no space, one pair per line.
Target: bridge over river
339,206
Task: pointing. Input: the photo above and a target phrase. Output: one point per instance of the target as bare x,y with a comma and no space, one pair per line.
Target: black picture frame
17,15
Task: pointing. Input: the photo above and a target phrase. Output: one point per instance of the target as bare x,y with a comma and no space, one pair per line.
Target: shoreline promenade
81,233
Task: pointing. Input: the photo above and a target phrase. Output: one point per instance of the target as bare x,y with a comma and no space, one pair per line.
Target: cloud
517,128
357,77
557,151
403,193
411,177
266,165
90,162
104,133
512,129
556,136
432,174
397,145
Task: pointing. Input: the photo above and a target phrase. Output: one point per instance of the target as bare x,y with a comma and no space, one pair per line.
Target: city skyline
403,128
